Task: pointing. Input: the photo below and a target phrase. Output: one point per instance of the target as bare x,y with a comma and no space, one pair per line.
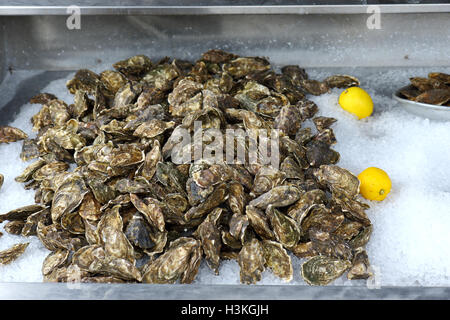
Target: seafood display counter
106,85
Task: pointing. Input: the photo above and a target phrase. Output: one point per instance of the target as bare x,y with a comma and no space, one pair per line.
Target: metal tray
36,47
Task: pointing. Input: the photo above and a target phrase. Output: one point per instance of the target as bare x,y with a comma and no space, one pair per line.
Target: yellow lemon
357,101
375,184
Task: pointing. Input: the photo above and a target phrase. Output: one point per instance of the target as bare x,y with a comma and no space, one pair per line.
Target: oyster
110,231
21,214
280,196
90,208
251,262
209,234
341,81
295,73
112,80
134,66
435,96
153,128
217,56
54,237
241,67
138,232
151,209
259,221
319,153
85,80
54,260
289,120
42,98
307,108
285,229
307,201
409,92
323,123
339,180
14,227
304,250
360,266
278,260
9,255
266,179
68,196
443,77
30,150
362,237
314,87
329,245
218,196
11,134
30,226
321,270
94,259
180,262
426,84
432,90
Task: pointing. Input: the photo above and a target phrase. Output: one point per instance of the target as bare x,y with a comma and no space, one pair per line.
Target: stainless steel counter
36,39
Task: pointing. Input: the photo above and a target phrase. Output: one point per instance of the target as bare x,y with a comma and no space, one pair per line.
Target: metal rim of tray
139,291
213,10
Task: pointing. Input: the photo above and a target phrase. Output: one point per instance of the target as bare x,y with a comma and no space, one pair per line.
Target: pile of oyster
432,90
113,207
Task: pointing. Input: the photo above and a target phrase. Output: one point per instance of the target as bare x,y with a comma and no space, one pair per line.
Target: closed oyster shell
280,196
209,235
151,209
9,255
68,196
341,81
321,270
289,120
30,150
360,266
138,232
133,66
278,260
22,213
319,153
339,180
14,227
180,262
259,222
54,260
329,245
110,231
285,229
251,262
241,67
10,134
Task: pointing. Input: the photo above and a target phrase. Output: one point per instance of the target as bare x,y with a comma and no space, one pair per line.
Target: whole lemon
375,184
357,101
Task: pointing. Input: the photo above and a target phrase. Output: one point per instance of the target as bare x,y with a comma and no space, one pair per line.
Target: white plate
425,110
